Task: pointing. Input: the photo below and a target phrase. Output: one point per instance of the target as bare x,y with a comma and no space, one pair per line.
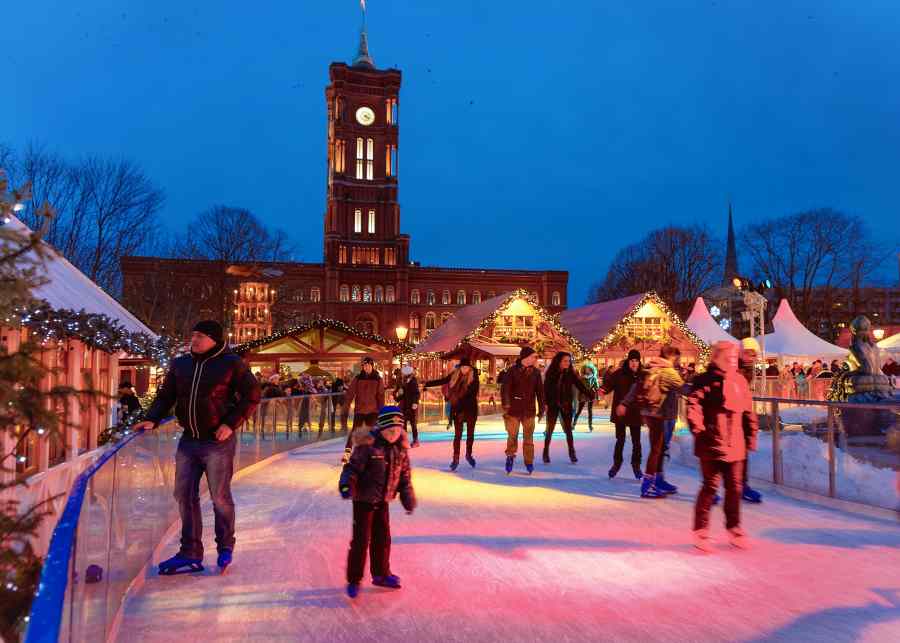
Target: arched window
345,293
379,294
555,299
445,297
355,293
460,297
414,296
476,297
429,298
414,322
367,294
389,295
430,321
315,294
444,317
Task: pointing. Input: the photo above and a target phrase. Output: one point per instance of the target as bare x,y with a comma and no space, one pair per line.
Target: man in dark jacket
406,394
129,404
367,391
523,394
377,471
619,383
213,392
721,417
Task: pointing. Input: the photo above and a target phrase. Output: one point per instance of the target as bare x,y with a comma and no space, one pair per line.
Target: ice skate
390,581
415,443
470,460
648,488
751,495
454,465
509,464
224,560
529,468
664,486
702,541
638,474
546,456
613,470
352,590
179,564
738,538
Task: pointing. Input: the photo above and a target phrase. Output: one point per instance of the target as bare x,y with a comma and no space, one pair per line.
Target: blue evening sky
533,134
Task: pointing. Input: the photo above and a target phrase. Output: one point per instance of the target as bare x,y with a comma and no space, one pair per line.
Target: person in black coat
129,404
560,382
619,383
463,385
406,394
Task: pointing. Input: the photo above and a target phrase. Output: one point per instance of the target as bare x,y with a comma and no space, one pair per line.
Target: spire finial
363,59
731,262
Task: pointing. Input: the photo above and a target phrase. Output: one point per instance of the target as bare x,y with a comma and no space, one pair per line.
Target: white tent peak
703,324
792,339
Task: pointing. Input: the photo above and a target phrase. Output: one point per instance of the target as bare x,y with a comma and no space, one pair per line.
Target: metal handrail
831,404
45,618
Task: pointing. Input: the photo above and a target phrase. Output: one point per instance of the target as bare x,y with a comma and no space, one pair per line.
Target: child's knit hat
389,416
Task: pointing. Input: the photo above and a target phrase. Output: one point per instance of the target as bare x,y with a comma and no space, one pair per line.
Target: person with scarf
366,393
721,418
462,391
619,382
590,379
523,397
560,381
406,394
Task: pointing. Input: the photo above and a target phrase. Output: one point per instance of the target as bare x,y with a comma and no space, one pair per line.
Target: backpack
649,395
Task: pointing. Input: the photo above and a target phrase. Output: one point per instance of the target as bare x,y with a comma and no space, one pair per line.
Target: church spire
363,59
731,262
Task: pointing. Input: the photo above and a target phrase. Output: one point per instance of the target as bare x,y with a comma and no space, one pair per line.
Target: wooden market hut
491,334
328,344
611,328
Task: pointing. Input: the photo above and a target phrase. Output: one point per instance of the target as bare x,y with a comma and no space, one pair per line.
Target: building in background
367,278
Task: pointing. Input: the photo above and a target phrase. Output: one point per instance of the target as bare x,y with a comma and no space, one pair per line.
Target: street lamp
878,334
401,336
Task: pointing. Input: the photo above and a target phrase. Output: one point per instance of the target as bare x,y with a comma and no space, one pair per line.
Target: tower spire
731,262
363,59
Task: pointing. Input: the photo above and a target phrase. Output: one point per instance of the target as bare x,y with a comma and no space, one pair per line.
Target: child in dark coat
377,471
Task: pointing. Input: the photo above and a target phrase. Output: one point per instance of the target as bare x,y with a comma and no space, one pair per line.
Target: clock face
365,116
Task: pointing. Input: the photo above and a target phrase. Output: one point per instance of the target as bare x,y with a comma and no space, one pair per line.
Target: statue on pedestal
863,379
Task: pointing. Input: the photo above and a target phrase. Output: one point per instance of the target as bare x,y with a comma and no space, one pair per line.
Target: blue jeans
216,460
669,428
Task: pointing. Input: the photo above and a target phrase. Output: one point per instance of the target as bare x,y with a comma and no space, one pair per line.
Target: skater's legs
552,413
567,429
219,464
654,459
188,470
669,428
732,472
581,404
746,470
471,419
362,528
711,476
636,451
590,405
380,547
512,434
528,439
458,419
620,444
410,418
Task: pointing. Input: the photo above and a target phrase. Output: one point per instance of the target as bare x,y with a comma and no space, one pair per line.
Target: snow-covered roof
463,322
890,344
702,323
590,324
67,287
793,339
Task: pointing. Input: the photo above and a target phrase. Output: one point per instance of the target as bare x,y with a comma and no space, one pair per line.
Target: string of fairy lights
396,347
96,330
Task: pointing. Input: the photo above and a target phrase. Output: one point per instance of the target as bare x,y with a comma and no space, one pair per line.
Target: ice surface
564,555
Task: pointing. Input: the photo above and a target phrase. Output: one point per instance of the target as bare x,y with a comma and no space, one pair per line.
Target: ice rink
563,555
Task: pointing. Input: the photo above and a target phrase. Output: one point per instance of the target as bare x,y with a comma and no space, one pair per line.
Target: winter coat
619,382
461,401
719,433
591,382
407,394
378,471
368,391
522,390
559,389
207,390
130,404
669,381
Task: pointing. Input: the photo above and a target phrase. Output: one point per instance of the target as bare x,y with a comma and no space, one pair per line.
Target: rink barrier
120,508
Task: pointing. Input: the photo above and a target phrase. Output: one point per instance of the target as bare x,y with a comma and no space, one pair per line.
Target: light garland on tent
333,324
578,348
95,330
620,328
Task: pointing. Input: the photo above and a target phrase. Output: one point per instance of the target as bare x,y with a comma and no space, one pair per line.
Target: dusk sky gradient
532,134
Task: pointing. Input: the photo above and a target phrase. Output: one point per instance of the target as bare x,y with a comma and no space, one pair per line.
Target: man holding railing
213,392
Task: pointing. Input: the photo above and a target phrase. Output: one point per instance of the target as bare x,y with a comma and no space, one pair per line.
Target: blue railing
120,508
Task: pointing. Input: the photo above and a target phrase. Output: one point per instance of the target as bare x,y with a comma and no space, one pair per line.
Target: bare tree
232,235
105,209
678,263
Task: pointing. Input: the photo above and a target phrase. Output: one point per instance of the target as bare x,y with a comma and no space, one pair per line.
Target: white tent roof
793,339
67,287
702,323
890,344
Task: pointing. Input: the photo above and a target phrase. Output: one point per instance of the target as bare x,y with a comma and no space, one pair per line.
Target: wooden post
777,472
74,355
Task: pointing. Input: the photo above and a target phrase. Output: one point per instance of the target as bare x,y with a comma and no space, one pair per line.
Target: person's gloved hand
345,493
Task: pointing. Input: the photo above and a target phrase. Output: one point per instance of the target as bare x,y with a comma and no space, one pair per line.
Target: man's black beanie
211,329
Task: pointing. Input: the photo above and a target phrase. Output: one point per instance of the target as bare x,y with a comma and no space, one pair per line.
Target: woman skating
559,384
462,383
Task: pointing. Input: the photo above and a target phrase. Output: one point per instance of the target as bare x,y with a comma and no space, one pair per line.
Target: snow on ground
563,555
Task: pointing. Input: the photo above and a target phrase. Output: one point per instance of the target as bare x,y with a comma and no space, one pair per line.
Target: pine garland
395,346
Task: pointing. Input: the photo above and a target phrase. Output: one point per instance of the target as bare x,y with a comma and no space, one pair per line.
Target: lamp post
401,331
756,313
878,334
